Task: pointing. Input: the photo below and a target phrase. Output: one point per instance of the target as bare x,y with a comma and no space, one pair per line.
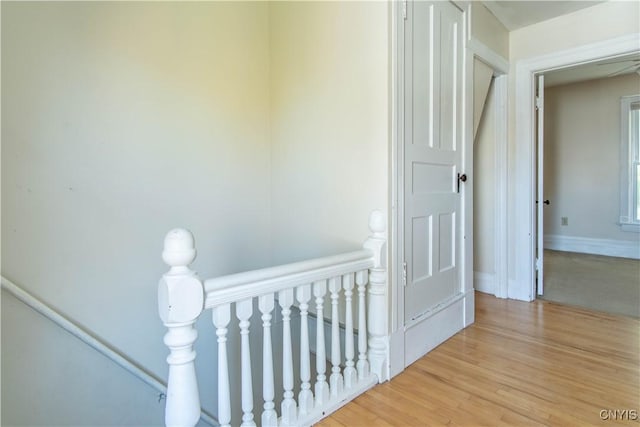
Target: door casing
523,242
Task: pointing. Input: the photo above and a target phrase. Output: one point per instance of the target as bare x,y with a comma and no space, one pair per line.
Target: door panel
433,82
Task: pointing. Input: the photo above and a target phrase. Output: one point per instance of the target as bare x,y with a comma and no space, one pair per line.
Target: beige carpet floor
597,282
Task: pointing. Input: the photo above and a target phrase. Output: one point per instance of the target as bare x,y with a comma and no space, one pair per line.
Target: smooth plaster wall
484,189
100,394
121,121
330,124
487,29
597,23
582,157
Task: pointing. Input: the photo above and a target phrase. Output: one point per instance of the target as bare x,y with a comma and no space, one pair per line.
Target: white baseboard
607,247
520,290
484,282
434,328
469,309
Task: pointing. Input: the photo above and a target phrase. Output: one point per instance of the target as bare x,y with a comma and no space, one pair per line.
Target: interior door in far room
432,156
541,202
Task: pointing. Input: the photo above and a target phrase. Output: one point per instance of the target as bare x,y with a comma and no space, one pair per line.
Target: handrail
236,287
91,340
182,297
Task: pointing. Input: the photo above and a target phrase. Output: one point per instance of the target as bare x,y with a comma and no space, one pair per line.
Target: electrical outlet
564,220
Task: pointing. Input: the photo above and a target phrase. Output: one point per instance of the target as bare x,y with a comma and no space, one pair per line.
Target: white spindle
269,415
350,373
285,299
335,380
244,310
221,318
305,397
363,363
180,302
321,387
377,325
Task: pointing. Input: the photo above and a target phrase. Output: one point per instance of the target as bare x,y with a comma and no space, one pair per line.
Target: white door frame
540,184
524,240
501,83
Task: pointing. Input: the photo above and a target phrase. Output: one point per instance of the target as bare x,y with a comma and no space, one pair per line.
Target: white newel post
180,302
377,303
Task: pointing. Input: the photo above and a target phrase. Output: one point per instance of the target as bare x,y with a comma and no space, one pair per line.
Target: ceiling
517,14
595,70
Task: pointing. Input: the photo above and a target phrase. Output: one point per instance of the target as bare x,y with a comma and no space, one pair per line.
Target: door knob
462,177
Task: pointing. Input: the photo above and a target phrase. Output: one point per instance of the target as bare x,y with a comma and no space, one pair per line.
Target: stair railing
358,278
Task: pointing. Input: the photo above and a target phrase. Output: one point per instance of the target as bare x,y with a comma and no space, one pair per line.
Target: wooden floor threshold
519,364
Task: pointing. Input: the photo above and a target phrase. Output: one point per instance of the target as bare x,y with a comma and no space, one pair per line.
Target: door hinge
539,103
404,273
537,264
404,10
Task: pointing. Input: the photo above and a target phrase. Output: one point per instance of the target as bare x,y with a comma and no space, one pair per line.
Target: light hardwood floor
521,363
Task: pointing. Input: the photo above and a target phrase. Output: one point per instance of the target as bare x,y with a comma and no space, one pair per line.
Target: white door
432,158
541,202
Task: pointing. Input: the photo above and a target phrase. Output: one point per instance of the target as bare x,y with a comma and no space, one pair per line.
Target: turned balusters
181,300
288,407
269,415
244,310
321,386
335,380
350,373
305,397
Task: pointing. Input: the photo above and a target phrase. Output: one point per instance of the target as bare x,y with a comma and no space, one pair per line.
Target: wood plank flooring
520,364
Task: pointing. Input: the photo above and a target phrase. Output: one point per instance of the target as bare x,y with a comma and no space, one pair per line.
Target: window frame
629,161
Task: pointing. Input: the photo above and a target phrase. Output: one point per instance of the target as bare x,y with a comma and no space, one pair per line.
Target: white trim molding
485,282
488,55
501,82
525,149
628,160
587,245
435,327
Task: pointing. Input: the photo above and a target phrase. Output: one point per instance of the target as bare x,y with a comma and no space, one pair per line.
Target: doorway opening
588,255
525,174
490,181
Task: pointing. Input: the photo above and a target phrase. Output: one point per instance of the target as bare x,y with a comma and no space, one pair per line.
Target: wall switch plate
564,220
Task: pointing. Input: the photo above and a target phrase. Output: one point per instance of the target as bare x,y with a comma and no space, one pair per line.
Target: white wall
484,198
487,29
330,124
582,157
121,121
99,393
597,23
